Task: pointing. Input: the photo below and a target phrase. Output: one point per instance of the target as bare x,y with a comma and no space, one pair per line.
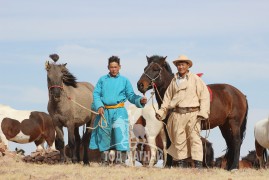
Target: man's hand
158,117
143,100
101,110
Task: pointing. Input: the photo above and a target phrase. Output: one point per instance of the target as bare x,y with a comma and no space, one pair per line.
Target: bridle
152,80
56,86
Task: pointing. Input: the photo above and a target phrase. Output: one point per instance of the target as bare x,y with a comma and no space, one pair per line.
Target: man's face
182,67
114,68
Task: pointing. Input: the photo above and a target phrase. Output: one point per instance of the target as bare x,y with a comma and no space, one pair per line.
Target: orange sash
115,106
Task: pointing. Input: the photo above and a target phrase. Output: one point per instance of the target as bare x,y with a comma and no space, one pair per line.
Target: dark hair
114,59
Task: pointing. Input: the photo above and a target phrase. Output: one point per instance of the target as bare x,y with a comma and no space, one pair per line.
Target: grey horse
69,104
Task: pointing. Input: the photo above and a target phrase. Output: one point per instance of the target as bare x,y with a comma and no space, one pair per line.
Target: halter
153,79
56,86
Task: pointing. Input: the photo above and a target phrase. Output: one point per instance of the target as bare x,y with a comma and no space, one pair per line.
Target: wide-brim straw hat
183,58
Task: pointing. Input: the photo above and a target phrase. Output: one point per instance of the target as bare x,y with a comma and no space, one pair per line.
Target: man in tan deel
188,97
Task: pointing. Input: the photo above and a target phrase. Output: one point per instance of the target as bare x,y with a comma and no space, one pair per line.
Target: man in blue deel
112,132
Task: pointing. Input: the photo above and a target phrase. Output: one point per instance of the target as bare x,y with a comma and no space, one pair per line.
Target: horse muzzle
143,86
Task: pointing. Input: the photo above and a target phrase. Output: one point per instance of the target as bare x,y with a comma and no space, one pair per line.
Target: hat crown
183,57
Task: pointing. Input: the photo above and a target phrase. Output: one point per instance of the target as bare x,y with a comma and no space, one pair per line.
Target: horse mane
68,78
157,58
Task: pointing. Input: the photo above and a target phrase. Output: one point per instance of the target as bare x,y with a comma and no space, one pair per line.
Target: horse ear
63,67
47,65
163,62
147,59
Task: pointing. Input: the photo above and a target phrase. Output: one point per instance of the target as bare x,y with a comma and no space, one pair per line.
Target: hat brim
187,61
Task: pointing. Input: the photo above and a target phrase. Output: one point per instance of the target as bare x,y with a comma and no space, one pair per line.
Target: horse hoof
86,164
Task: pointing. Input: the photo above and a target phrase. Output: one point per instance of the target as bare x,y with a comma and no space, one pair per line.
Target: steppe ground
15,168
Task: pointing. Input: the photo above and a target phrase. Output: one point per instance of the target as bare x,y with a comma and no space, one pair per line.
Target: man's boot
104,158
182,164
198,164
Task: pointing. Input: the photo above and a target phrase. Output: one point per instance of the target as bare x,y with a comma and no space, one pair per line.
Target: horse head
251,157
58,76
156,73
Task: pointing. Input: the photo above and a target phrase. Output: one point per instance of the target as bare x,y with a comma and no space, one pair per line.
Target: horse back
30,129
87,85
227,103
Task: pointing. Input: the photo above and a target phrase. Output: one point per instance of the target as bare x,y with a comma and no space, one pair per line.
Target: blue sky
227,40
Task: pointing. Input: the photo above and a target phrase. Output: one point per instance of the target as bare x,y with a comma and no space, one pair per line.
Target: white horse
147,132
261,133
7,112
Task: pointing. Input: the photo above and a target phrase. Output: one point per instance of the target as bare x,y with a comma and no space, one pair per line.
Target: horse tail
244,124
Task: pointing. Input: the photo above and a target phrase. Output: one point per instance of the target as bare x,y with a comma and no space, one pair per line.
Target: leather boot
198,164
104,158
182,164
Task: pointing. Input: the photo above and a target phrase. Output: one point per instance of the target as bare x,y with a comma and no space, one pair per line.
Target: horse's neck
161,89
55,107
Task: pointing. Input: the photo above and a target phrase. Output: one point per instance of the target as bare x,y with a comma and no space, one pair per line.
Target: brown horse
68,103
228,109
27,126
249,161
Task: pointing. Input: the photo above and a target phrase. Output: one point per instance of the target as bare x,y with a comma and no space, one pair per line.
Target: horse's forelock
161,60
68,78
155,58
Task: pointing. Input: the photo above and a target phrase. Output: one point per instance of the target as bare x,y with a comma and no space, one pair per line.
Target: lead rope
100,124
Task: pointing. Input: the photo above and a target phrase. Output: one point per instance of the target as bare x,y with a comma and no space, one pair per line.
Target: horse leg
3,139
233,163
226,133
49,136
153,148
259,153
132,152
59,142
164,140
77,143
169,159
40,144
85,141
72,143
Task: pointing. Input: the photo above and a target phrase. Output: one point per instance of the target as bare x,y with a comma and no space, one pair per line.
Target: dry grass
14,168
